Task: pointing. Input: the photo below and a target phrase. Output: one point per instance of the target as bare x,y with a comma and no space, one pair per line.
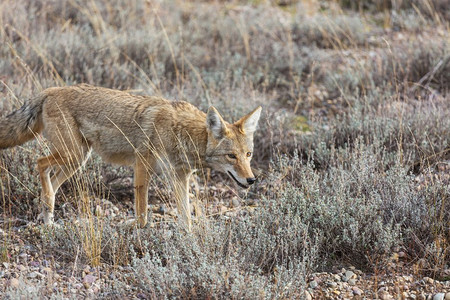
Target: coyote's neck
192,139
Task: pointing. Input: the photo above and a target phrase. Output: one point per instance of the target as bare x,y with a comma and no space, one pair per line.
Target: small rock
89,279
408,278
77,285
447,296
428,280
252,202
35,264
357,291
348,275
331,284
336,292
32,275
313,284
439,296
21,268
308,296
385,296
421,296
6,265
222,208
23,256
14,282
352,281
95,289
234,202
87,269
172,212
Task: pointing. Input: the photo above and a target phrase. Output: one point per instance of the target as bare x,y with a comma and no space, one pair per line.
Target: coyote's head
230,146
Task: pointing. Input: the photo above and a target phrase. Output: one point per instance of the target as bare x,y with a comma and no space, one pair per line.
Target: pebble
313,284
447,296
331,284
234,202
252,202
87,269
385,295
352,281
35,274
347,276
14,282
308,296
89,279
428,280
21,268
35,264
421,296
77,285
357,291
439,296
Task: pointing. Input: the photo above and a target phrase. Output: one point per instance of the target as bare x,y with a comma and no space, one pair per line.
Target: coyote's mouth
237,181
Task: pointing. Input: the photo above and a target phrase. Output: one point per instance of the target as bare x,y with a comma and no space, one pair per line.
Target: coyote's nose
251,180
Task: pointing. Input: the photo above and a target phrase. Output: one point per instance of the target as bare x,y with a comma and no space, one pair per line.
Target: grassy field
352,152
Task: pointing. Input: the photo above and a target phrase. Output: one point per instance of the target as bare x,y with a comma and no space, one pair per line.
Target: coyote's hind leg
64,169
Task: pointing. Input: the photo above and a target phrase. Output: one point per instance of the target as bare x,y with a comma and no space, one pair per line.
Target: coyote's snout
149,133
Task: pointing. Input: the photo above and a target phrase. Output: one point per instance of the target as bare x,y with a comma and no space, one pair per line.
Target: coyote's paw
46,219
134,223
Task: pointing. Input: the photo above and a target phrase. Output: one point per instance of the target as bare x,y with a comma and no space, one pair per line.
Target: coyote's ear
215,123
249,123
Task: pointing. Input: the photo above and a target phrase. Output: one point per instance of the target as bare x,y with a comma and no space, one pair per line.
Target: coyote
149,133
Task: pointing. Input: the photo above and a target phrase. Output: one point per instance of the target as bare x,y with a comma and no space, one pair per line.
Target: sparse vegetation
352,152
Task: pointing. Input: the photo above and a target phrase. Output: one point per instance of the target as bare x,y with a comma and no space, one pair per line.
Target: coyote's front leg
181,189
142,172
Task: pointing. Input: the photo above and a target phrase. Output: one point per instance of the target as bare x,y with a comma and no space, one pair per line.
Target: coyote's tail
23,124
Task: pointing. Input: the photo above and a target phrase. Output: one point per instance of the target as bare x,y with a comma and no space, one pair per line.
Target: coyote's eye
249,154
232,156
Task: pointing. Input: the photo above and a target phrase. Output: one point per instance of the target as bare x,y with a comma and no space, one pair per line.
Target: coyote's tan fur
149,133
